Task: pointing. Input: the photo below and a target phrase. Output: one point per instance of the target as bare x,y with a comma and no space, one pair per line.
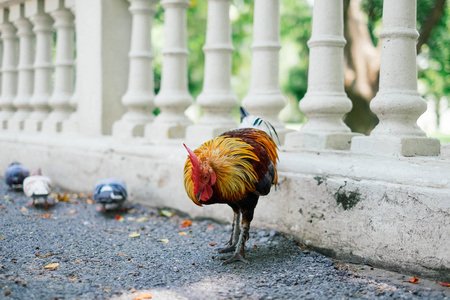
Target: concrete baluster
25,67
325,102
139,98
43,67
217,98
64,63
398,103
71,124
265,98
9,68
173,97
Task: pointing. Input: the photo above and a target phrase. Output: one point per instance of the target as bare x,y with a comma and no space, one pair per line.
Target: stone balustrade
31,101
85,107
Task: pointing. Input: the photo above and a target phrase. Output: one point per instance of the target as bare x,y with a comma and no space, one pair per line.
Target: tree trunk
362,66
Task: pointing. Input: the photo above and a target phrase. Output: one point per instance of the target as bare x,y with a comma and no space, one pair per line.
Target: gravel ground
101,257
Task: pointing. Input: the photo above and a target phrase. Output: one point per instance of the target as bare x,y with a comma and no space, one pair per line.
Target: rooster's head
203,177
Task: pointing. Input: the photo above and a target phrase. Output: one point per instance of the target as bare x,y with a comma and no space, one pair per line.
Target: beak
199,195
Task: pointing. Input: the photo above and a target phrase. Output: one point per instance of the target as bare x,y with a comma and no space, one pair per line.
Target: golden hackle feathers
229,158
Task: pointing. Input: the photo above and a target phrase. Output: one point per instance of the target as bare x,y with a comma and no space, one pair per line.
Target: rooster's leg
235,232
239,252
247,209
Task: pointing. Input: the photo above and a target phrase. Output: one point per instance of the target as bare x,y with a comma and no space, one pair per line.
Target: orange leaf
210,227
3,207
119,218
143,296
413,280
212,244
186,223
445,284
47,215
72,279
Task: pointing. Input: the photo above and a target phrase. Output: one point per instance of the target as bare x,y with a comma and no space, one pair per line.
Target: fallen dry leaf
182,233
50,254
134,235
414,280
163,240
212,244
133,291
166,213
143,219
90,201
119,218
47,215
255,246
121,254
3,207
445,284
142,296
23,209
72,279
64,197
78,261
2,237
210,227
186,223
53,266
73,211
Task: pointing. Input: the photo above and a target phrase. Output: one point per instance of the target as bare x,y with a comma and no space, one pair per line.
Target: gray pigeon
110,193
15,175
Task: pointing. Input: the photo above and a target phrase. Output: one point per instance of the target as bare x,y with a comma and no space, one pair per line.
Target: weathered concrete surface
390,212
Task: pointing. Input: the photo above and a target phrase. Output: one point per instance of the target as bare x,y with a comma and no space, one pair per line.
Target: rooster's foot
227,249
235,257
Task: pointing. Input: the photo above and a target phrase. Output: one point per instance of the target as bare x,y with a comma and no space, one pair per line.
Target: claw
235,257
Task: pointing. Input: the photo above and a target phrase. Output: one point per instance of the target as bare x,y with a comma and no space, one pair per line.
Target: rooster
235,169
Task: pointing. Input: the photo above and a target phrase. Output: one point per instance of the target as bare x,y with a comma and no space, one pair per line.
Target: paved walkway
148,252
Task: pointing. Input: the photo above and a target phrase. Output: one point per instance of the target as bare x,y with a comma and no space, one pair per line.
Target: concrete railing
381,198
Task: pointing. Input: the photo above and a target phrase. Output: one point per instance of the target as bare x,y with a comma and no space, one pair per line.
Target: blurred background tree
362,19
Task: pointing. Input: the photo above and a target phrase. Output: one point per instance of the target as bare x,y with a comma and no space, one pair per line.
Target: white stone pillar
217,98
398,103
9,68
70,125
139,98
325,102
43,67
265,98
64,61
25,67
173,97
